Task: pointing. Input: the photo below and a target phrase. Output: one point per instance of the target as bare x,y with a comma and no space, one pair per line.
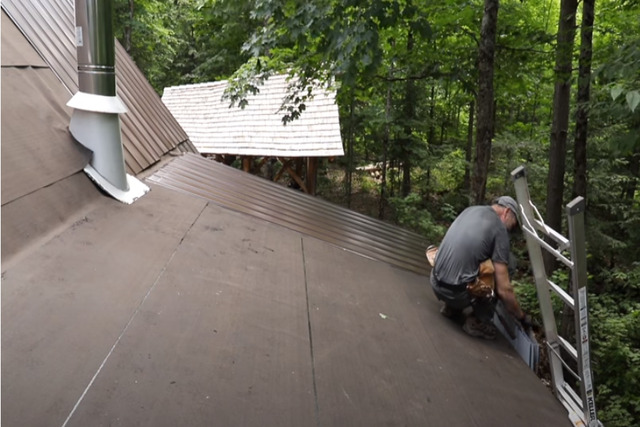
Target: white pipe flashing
100,133
97,103
136,190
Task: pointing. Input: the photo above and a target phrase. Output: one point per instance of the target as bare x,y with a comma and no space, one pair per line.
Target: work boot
449,312
477,328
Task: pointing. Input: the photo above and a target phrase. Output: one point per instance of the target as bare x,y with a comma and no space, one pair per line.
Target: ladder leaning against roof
581,407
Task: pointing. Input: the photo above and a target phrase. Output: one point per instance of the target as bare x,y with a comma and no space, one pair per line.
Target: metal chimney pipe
95,122
96,49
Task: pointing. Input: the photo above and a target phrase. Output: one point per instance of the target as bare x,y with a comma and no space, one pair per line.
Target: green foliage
448,173
615,345
411,214
183,41
528,297
367,184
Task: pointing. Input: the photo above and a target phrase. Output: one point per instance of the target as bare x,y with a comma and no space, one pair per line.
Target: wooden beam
283,169
286,167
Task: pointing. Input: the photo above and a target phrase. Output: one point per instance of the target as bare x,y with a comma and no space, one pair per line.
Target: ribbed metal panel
148,129
242,192
49,27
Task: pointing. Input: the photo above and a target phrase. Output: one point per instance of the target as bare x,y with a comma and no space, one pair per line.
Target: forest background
449,96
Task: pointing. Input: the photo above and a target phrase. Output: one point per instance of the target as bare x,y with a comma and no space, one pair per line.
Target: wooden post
312,173
246,163
299,162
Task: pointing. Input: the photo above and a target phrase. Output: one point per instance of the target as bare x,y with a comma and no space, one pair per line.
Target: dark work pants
483,308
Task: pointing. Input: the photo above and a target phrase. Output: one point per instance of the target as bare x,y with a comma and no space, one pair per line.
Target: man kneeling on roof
471,267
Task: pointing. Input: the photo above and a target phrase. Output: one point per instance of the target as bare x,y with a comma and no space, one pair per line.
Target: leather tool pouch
431,255
484,284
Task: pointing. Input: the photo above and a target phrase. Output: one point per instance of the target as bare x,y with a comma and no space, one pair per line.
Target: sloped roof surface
177,311
148,129
256,130
37,148
42,179
293,209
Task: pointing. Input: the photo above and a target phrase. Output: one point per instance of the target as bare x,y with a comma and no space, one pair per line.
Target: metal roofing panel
256,130
297,211
148,129
49,26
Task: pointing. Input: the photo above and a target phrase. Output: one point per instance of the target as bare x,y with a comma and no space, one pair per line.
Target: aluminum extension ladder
580,406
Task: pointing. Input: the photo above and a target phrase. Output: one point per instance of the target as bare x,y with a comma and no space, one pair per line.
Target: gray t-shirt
476,235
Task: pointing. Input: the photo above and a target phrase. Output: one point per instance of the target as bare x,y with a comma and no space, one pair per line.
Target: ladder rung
562,241
570,400
547,246
555,352
569,347
570,392
562,294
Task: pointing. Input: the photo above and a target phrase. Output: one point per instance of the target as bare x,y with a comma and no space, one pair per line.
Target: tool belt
482,286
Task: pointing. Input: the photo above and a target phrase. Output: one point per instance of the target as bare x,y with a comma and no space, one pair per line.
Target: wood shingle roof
257,130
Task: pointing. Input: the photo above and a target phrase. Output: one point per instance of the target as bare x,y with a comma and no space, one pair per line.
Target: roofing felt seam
260,198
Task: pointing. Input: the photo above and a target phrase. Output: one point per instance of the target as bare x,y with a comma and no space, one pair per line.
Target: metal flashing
97,103
136,188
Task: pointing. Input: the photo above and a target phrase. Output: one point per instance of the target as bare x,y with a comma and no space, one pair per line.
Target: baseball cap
508,202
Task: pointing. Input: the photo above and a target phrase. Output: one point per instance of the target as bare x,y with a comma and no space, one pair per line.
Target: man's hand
527,322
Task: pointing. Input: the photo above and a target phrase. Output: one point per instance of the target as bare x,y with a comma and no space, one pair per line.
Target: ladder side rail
537,265
575,214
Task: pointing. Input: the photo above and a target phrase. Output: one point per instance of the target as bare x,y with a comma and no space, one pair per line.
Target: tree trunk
469,151
582,100
484,127
445,113
430,137
128,29
349,174
385,148
560,124
432,117
410,99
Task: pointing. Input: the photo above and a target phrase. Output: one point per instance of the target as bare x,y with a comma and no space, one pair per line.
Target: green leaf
615,92
633,99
